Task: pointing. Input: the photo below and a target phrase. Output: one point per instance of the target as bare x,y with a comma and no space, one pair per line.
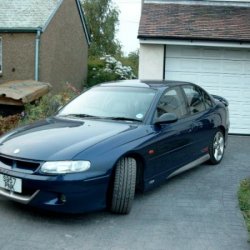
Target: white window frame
1,55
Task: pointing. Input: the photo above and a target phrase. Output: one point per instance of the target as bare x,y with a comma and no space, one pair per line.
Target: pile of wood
15,94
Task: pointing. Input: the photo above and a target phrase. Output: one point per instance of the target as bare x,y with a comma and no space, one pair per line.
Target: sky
130,11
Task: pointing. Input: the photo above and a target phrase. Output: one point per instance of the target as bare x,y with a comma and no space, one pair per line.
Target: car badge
16,151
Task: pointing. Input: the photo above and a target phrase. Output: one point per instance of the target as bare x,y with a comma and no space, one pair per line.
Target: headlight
63,167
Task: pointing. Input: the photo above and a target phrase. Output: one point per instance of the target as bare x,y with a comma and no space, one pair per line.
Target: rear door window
194,99
207,100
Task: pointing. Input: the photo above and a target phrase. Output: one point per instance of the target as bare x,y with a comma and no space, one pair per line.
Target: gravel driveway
196,210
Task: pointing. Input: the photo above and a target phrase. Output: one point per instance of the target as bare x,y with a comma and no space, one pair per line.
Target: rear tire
124,186
217,147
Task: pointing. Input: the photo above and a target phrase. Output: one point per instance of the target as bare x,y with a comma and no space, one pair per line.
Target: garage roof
168,20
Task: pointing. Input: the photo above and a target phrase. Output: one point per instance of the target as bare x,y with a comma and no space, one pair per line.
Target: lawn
244,201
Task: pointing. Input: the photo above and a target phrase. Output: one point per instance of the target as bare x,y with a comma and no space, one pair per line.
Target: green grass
244,201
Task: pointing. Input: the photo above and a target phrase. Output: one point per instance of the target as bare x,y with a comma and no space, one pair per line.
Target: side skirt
190,165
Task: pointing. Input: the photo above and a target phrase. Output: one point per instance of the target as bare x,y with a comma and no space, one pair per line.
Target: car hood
59,139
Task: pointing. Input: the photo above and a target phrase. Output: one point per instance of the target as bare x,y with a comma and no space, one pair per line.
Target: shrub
107,68
132,60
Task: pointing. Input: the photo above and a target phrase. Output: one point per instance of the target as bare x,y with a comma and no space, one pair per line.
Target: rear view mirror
167,118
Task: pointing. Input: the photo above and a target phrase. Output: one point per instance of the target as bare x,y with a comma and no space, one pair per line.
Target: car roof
143,84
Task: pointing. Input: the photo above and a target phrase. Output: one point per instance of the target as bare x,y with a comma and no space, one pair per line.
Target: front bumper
69,193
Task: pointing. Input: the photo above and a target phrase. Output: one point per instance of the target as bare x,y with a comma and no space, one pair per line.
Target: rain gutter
17,30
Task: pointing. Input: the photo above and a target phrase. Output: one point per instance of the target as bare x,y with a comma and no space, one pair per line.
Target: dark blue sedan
111,140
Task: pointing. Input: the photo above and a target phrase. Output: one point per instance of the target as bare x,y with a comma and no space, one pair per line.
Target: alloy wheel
218,146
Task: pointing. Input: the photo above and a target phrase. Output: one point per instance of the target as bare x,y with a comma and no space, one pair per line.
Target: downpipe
37,51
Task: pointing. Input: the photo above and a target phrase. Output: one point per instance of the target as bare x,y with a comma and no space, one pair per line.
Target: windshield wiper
123,119
102,117
82,116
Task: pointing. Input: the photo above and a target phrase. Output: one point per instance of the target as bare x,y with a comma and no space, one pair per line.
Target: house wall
64,49
17,56
151,62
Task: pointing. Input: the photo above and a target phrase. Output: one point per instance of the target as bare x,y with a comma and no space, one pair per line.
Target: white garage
221,71
205,42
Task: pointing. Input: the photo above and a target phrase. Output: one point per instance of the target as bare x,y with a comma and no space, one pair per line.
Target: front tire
124,186
217,147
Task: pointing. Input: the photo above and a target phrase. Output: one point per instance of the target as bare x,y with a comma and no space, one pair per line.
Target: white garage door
224,72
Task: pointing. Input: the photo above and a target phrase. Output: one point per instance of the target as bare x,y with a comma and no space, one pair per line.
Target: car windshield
117,103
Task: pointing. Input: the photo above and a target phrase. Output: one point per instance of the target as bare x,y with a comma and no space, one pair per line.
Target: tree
103,19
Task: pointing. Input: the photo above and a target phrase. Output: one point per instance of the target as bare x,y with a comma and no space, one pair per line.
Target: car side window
207,100
172,101
194,99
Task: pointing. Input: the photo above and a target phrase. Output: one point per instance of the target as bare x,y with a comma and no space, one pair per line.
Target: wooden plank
10,101
16,92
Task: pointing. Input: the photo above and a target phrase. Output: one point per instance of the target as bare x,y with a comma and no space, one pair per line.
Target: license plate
11,183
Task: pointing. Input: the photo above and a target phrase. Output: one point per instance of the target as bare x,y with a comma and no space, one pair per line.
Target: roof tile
18,14
202,22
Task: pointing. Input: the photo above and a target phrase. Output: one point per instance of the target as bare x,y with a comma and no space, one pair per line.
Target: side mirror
166,118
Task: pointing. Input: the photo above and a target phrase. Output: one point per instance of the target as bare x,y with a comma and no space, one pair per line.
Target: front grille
19,165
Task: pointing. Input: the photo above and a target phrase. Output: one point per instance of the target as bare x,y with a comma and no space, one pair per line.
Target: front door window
172,102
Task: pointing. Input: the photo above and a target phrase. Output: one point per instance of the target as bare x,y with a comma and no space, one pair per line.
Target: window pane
194,98
171,102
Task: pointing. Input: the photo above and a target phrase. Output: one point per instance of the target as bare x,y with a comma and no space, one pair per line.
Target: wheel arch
222,128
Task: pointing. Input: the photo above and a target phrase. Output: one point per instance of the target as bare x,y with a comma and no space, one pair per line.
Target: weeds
40,109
